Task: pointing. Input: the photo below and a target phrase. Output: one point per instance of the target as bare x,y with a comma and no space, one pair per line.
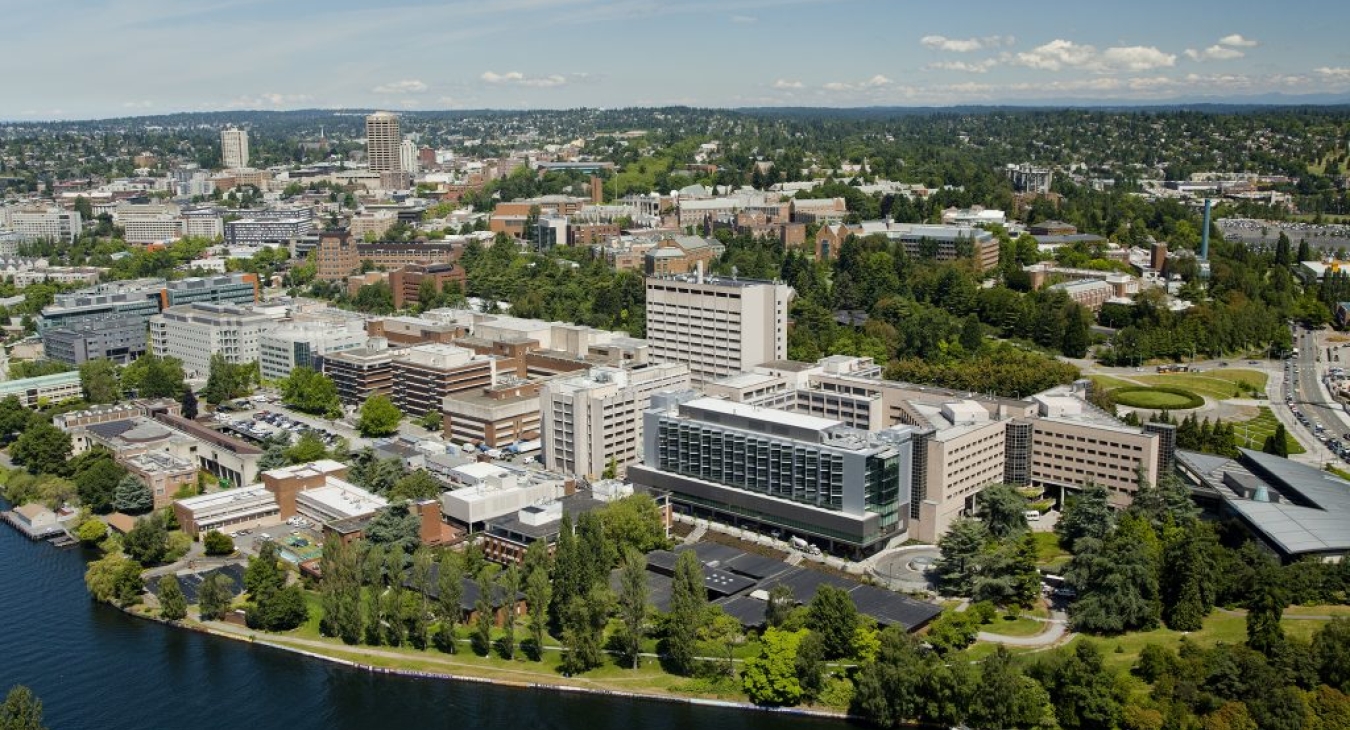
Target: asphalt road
1311,395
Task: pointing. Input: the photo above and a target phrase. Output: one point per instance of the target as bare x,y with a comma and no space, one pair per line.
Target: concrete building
338,254
233,509
590,421
681,255
810,477
298,343
120,338
195,332
490,491
717,326
383,140
45,224
269,228
424,374
407,156
319,492
234,148
495,416
406,283
359,373
151,228
165,474
43,389
1027,178
145,298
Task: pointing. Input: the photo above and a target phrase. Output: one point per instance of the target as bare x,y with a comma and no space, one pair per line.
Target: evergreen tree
961,547
832,614
21,710
1004,510
1188,579
340,592
132,496
1117,580
189,403
688,603
1264,611
633,602
1088,514
172,602
215,596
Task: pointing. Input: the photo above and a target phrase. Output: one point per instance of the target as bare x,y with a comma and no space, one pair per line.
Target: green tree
154,377
417,486
148,541
779,606
771,677
132,496
810,665
484,613
1007,698
98,381
42,448
961,547
13,418
395,527
22,710
273,457
449,596
226,381
1331,652
1004,510
91,532
97,478
264,576
832,614
633,601
538,595
508,587
1088,514
634,522
172,602
309,447
1117,582
1081,689
583,623
1264,611
281,611
188,403
379,417
340,592
311,392
215,596
114,578
216,542
1277,443
1188,579
688,603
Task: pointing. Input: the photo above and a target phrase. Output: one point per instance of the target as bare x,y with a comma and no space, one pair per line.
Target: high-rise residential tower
382,142
234,148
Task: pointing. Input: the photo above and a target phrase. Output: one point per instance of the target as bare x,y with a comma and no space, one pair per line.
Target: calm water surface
96,668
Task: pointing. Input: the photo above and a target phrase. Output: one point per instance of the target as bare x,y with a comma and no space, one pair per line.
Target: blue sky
93,58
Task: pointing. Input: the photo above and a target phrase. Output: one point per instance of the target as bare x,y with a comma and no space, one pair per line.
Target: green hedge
1157,398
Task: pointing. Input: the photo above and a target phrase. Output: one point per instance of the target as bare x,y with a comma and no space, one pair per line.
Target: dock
44,532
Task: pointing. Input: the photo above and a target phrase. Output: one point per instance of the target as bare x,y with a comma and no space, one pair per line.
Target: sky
78,59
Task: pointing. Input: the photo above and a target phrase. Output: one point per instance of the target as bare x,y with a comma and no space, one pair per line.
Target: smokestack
699,269
1204,236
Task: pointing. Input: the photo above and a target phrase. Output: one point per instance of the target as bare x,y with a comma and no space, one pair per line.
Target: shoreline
264,640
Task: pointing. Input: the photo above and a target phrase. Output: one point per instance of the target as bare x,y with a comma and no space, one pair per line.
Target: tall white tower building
234,148
382,142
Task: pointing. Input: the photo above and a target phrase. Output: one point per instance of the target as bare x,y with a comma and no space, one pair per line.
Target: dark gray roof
111,429
1297,509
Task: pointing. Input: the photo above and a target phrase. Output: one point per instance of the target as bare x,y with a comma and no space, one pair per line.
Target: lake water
94,667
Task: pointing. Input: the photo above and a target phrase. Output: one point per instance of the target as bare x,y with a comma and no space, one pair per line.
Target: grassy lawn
1338,472
1219,627
1136,397
1020,626
1108,382
1252,434
1218,383
1048,551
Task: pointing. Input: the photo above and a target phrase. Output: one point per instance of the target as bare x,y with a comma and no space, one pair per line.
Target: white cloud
1214,53
965,45
519,79
876,82
1060,54
1057,54
1137,58
406,86
744,19
269,99
1237,40
137,104
1338,74
978,67
786,84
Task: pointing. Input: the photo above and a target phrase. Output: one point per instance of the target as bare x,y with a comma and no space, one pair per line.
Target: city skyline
611,53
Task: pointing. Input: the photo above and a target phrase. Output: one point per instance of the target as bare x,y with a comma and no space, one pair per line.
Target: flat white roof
227,497
797,420
343,498
480,470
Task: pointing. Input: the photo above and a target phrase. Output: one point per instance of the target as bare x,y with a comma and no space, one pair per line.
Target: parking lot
259,420
298,540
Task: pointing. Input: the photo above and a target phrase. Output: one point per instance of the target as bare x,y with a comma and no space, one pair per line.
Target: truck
801,544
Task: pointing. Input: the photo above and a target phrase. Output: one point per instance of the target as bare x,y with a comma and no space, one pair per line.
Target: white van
1032,515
